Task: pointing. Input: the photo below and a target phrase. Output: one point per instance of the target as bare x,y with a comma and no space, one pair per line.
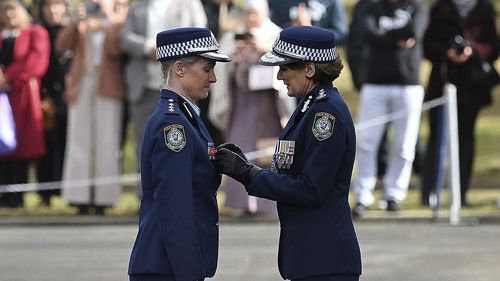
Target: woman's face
198,77
53,11
253,18
296,80
11,17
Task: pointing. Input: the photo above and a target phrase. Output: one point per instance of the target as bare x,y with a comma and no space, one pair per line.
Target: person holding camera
394,32
461,43
246,107
94,130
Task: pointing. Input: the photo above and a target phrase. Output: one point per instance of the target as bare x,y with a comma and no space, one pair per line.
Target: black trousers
13,172
433,174
330,278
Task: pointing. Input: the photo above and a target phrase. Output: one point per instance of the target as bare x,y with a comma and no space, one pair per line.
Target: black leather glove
230,163
234,148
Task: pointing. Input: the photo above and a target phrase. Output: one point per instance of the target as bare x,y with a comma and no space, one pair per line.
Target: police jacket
178,221
310,179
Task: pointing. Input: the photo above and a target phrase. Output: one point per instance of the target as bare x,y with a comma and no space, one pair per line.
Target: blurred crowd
78,73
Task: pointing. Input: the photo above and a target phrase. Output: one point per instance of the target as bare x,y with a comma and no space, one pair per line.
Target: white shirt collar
197,110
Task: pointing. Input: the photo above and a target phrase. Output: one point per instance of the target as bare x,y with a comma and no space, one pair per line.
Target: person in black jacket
52,14
461,43
394,31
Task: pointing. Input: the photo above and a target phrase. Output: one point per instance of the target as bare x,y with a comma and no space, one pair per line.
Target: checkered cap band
195,46
304,53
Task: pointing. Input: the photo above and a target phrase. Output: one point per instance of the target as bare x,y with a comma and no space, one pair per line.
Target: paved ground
392,250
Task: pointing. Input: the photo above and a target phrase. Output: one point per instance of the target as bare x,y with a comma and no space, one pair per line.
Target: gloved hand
234,148
230,163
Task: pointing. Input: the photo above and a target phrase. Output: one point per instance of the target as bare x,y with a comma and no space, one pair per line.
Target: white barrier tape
103,181
134,178
397,115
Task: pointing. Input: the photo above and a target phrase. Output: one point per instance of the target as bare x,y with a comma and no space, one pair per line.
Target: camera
92,8
459,43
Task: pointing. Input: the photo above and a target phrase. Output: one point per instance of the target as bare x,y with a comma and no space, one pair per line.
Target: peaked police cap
188,41
302,43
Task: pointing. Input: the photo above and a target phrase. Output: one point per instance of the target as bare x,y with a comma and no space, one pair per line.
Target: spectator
24,58
394,31
329,14
111,82
53,15
250,115
468,65
93,148
356,47
144,20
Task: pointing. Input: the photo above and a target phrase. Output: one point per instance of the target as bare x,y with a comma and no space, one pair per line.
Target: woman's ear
310,70
178,68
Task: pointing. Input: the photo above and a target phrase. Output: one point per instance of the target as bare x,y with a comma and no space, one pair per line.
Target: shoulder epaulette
321,95
172,107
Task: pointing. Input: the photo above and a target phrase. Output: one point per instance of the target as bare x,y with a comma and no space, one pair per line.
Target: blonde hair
23,13
166,66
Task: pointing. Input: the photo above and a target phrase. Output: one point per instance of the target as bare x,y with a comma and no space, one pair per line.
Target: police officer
178,222
312,164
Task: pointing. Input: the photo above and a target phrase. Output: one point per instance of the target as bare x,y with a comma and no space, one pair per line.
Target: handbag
483,73
49,111
8,141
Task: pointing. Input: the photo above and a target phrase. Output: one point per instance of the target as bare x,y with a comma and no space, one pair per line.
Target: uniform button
217,224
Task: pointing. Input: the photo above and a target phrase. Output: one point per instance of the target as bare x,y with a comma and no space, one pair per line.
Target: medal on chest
212,151
283,155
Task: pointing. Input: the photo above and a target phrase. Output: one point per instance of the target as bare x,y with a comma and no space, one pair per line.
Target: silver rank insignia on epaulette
321,94
171,105
283,155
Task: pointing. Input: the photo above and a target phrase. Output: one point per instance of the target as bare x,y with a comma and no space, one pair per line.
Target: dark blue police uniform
178,221
312,165
311,178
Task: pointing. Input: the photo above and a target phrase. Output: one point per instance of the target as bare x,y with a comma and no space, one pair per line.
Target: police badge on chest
283,155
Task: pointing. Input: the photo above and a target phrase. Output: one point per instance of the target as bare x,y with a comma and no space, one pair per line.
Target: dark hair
38,14
328,72
325,72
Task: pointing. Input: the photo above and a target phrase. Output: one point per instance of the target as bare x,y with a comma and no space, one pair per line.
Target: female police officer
312,163
178,222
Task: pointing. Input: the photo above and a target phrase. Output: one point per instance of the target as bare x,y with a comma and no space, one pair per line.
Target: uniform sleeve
322,160
172,173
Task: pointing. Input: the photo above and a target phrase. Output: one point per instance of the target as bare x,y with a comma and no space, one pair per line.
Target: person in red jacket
24,58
